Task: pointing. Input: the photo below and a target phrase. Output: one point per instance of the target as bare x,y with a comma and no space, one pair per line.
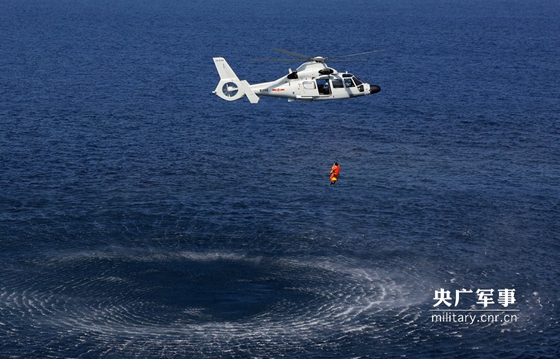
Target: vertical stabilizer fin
230,88
224,70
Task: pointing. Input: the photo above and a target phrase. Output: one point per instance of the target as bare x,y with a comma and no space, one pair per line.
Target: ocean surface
141,216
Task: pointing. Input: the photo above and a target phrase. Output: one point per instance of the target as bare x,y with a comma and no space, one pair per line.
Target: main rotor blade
275,60
309,58
335,60
291,53
358,54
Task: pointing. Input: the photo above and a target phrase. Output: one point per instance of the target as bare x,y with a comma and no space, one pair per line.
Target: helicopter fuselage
311,81
315,81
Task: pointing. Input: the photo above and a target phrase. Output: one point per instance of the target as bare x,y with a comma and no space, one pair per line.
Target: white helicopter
311,81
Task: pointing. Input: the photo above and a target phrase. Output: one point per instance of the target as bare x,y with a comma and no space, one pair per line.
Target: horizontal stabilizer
249,92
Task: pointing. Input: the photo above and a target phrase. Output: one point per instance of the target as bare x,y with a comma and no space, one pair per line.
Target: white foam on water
323,296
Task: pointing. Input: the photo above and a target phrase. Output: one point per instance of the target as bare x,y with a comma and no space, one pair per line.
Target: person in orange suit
335,170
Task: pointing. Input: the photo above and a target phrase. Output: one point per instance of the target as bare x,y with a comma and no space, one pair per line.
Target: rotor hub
319,59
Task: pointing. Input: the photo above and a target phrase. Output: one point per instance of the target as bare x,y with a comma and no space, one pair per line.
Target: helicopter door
323,86
308,88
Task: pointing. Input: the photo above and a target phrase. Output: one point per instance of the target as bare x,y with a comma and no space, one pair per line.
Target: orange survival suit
335,170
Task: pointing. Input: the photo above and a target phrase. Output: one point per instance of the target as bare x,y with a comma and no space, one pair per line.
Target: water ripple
213,300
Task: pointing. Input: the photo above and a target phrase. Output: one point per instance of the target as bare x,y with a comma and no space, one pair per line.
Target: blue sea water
142,216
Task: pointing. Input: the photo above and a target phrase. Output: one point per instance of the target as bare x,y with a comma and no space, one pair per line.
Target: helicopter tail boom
230,88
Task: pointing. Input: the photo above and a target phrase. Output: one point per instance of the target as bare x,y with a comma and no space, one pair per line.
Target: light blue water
142,216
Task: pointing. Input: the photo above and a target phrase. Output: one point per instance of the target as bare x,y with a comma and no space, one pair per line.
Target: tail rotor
230,89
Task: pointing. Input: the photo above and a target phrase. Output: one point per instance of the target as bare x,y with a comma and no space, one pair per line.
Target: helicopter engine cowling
292,75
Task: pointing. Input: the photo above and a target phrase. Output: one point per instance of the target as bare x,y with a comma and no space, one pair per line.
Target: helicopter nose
374,89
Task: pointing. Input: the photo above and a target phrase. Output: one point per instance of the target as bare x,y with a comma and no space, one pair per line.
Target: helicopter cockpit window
337,83
359,84
348,82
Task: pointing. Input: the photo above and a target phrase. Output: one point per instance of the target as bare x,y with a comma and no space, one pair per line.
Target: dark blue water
142,216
